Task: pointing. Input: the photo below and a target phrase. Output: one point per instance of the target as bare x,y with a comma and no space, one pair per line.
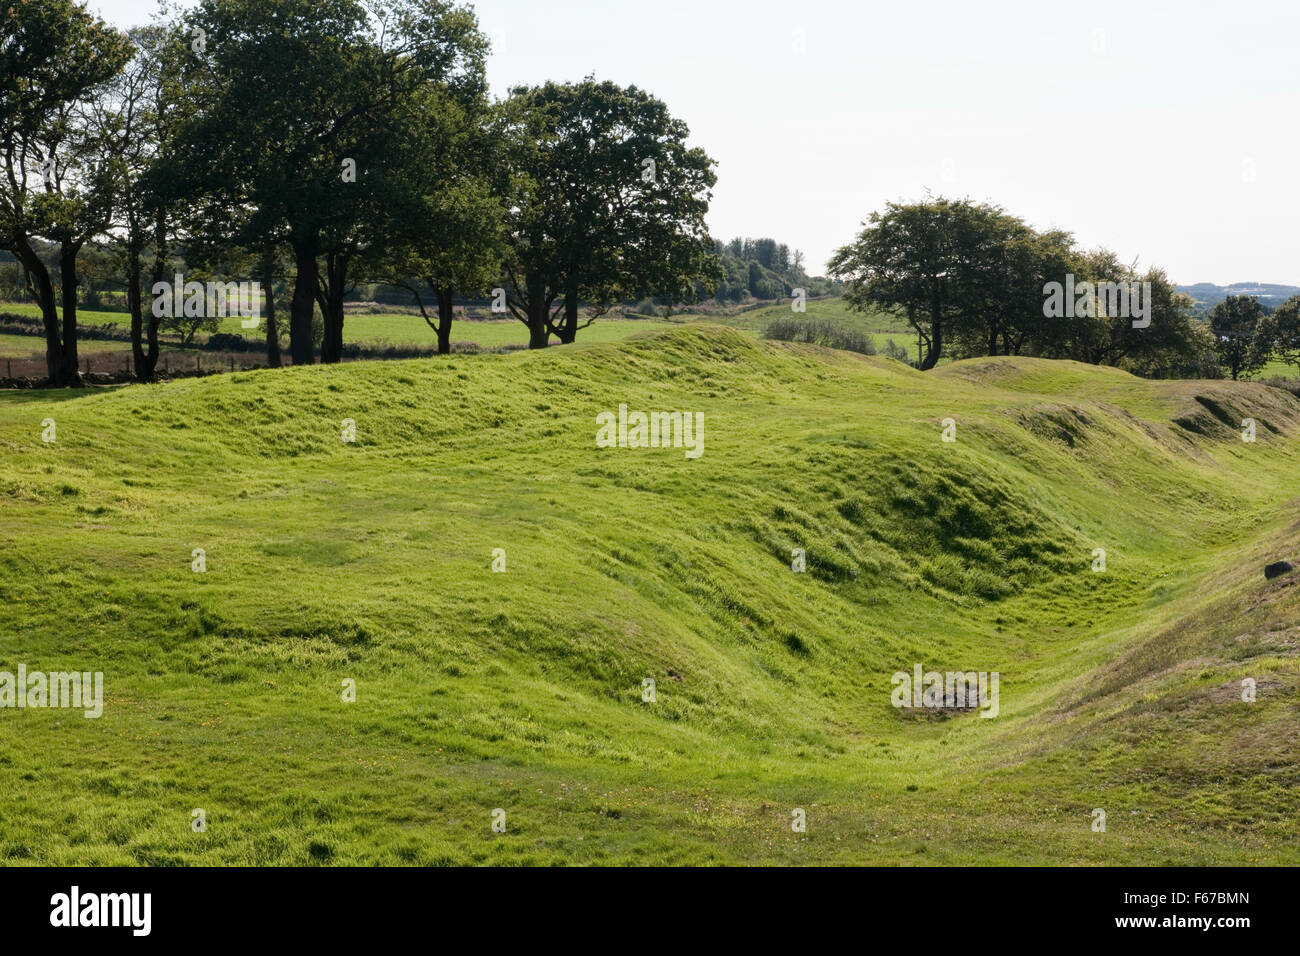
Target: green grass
877,326
393,329
828,309
33,346
1277,369
403,329
84,316
371,561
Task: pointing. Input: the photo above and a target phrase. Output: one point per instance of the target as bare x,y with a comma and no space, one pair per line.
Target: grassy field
410,329
401,328
834,310
23,346
390,329
371,562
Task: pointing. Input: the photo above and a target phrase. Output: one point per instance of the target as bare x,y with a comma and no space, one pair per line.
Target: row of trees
972,279
326,143
1248,334
767,252
764,269
333,142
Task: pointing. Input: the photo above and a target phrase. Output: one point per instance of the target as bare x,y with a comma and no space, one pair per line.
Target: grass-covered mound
371,561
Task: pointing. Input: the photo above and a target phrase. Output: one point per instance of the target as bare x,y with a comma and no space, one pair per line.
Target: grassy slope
827,309
521,690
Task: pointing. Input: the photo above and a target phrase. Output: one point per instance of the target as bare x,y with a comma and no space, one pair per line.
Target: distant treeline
1206,295
319,149
765,269
972,279
326,158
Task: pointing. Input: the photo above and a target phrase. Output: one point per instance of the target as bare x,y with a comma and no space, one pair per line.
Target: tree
459,251
56,179
607,204
1235,323
299,111
1287,323
139,109
1125,318
449,220
974,280
1036,259
997,281
906,261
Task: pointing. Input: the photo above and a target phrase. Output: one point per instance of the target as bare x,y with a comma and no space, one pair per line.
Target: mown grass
397,328
25,346
371,561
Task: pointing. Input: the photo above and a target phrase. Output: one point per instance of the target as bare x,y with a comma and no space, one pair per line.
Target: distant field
831,310
880,328
24,346
1279,369
393,329
399,328
84,316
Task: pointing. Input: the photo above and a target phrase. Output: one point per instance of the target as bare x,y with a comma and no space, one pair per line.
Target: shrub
895,351
229,342
819,332
1291,385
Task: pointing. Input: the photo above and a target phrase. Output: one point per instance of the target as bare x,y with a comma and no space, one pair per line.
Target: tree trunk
134,305
445,314
151,353
272,330
936,328
331,307
68,281
42,289
146,371
569,330
144,360
539,336
303,306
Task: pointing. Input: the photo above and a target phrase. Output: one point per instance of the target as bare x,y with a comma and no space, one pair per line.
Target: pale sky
1166,130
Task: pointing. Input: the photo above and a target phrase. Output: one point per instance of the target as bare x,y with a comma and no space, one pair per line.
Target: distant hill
1208,295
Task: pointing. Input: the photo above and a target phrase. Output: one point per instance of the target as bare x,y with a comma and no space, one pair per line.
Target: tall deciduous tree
1101,334
1235,323
973,280
452,220
298,109
138,108
906,261
1287,331
56,179
608,204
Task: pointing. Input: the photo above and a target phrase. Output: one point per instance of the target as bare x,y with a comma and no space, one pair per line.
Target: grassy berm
371,561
